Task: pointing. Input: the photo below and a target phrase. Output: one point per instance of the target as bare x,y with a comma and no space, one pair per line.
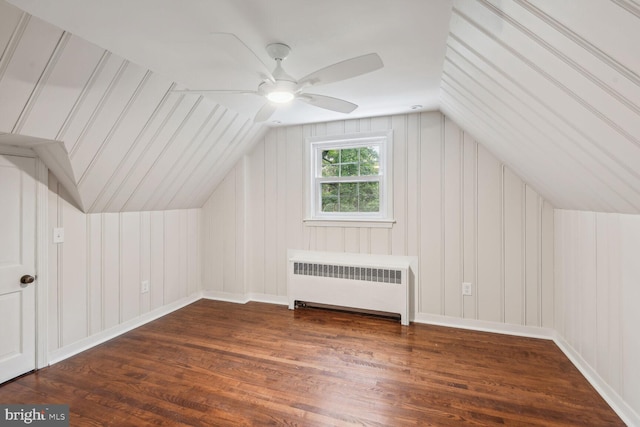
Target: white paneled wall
123,140
95,275
597,282
223,233
460,210
553,88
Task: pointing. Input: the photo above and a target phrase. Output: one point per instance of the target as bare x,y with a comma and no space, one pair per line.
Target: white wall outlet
467,289
58,235
144,286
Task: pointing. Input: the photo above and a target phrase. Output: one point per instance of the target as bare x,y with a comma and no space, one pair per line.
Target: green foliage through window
344,195
350,197
361,161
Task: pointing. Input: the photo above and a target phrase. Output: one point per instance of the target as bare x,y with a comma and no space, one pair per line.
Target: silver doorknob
27,279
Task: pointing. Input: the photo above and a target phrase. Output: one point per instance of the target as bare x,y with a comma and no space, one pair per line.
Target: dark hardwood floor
215,364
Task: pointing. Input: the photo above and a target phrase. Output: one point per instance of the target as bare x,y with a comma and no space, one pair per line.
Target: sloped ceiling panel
120,137
553,88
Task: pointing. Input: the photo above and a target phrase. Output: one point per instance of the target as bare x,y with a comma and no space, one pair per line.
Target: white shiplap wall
95,275
459,209
223,237
552,87
597,281
112,131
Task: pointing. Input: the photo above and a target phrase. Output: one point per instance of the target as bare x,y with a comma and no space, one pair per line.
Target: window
350,178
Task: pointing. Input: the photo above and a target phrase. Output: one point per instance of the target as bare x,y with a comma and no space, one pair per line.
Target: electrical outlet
58,235
466,289
144,286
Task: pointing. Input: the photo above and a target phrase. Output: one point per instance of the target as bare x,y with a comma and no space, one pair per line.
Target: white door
17,259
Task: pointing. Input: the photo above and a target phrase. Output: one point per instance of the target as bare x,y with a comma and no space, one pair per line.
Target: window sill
350,223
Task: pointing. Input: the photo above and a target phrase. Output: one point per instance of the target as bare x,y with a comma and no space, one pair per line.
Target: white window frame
313,174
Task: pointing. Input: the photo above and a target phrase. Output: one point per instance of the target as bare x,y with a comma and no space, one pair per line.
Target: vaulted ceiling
111,130
553,88
550,87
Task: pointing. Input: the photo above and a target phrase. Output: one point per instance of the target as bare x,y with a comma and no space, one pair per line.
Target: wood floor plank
217,363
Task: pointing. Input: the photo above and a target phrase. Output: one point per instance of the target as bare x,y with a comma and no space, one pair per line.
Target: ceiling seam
160,187
216,174
566,59
136,141
210,164
613,125
42,81
82,96
12,44
181,178
581,41
98,108
169,142
242,136
507,124
501,141
114,128
453,110
219,140
632,172
558,146
536,182
219,131
145,150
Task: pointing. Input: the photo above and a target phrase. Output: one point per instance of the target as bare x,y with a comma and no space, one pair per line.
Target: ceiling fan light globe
280,96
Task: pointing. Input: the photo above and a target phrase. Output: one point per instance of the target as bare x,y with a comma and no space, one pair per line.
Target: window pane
349,169
330,162
349,189
330,204
369,197
349,204
367,169
369,161
330,156
334,166
330,197
330,190
330,170
349,155
351,197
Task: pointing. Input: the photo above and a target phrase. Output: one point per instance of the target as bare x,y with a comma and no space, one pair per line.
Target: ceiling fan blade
265,112
343,70
204,91
328,103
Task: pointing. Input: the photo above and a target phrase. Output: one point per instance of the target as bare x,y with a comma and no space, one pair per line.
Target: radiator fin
369,274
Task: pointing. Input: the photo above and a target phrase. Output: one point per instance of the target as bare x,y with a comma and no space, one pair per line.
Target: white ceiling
200,44
551,87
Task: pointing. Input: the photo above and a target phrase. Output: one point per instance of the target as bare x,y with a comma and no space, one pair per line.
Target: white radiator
368,282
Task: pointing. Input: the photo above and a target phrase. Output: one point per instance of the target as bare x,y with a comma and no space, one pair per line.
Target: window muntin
350,197
350,178
353,161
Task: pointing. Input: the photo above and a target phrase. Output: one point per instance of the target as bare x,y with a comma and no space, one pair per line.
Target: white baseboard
485,326
226,296
245,298
96,339
617,403
270,299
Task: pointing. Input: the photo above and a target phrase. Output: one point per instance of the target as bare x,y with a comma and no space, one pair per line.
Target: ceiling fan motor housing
278,51
279,92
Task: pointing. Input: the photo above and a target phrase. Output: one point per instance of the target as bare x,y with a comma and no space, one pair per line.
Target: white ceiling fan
278,87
